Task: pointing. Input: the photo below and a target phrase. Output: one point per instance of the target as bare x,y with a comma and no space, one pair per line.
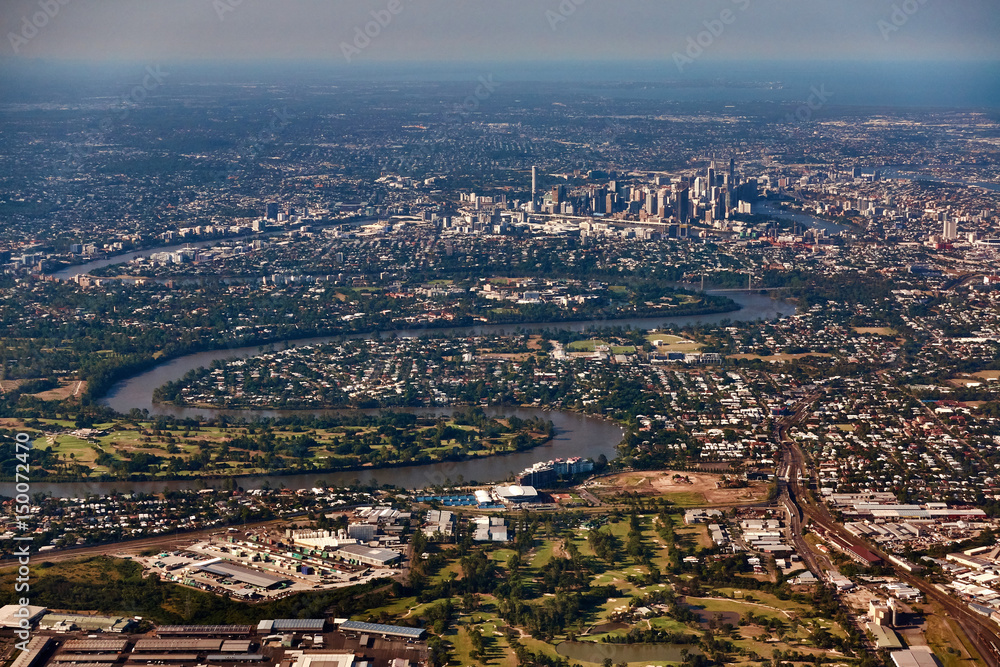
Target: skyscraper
651,203
950,230
534,184
272,210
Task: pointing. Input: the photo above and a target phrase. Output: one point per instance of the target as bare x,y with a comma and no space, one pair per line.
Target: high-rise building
651,207
558,194
950,230
534,184
683,205
272,210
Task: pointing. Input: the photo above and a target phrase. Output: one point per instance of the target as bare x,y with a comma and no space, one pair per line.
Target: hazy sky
492,30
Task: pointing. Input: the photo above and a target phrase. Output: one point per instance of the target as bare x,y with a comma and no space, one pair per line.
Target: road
164,543
982,633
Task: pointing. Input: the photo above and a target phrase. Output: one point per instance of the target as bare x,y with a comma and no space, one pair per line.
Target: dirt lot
879,331
691,485
65,389
9,385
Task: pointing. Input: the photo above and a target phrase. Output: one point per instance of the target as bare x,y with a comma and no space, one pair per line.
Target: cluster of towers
715,193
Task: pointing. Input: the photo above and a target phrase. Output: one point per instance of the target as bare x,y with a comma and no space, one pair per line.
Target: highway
982,632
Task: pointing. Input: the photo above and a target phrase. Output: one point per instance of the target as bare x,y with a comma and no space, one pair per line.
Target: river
767,208
75,270
577,435
913,173
137,391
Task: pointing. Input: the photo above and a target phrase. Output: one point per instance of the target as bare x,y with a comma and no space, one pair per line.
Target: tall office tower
732,171
699,185
683,205
558,194
950,230
711,175
272,210
651,203
599,201
609,206
534,184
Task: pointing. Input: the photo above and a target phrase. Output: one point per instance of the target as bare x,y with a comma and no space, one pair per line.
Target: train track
982,633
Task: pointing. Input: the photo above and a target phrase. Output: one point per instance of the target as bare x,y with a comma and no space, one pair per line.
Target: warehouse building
86,623
9,617
244,575
88,658
178,645
164,657
382,630
440,521
38,648
918,656
95,645
359,553
204,630
235,657
884,637
280,625
325,660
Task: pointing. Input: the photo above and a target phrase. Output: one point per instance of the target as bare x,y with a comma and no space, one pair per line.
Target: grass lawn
501,556
942,635
585,345
669,624
670,343
769,600
717,604
453,567
686,499
543,553
697,532
66,444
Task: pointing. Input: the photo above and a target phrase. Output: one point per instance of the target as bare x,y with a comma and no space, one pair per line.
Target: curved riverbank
137,390
219,477
576,434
